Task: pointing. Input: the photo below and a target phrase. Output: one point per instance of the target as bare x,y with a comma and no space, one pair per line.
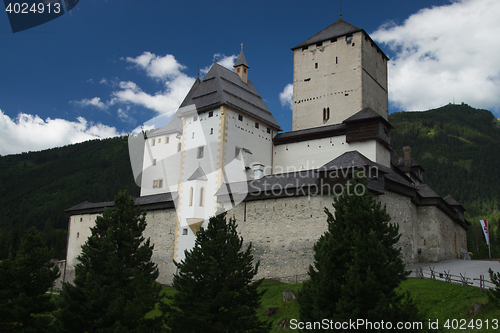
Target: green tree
213,285
25,278
114,286
357,266
494,293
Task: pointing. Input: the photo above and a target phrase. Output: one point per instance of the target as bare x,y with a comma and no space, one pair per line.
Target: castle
223,150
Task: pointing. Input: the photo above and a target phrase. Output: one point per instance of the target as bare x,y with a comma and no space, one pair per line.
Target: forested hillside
36,187
459,147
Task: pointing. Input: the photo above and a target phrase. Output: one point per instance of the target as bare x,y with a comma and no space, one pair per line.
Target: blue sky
108,66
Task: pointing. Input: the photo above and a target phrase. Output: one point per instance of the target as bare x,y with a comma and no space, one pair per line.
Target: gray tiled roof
224,87
198,174
310,134
337,29
451,201
350,159
241,60
426,192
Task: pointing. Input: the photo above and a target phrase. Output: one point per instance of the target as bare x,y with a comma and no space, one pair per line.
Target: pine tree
213,285
25,278
357,266
114,286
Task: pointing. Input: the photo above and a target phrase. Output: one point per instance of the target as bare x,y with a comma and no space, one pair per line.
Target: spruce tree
25,278
213,285
114,286
357,266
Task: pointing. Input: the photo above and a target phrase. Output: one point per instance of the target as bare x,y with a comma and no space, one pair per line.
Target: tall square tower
338,72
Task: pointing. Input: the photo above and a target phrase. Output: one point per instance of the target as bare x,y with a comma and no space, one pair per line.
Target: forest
457,145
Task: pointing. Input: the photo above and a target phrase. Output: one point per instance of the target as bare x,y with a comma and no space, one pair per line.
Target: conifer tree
114,286
25,278
213,285
357,266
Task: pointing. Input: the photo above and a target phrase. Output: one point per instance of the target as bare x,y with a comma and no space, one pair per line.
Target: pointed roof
198,174
366,113
222,86
451,201
241,60
351,159
337,29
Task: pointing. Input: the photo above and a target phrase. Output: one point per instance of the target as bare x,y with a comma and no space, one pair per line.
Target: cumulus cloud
445,53
166,67
286,96
223,60
95,102
31,133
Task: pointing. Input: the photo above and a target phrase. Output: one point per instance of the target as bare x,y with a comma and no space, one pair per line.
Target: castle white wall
312,154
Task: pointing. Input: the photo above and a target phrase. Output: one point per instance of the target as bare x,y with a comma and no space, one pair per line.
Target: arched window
202,196
191,196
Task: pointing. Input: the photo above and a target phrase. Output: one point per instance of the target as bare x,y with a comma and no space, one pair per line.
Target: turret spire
241,66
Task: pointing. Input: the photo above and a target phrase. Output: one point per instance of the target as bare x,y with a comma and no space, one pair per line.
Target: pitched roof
241,60
310,134
365,114
426,192
350,159
222,86
198,174
451,201
337,29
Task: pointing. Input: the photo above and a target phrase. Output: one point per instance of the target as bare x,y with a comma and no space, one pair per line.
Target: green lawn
436,299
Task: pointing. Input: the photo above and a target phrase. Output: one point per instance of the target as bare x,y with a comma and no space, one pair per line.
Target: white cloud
95,102
158,67
103,81
286,96
223,60
445,53
31,133
124,115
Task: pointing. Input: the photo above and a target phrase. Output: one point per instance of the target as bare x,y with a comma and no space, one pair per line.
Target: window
81,219
304,48
195,118
307,80
184,231
237,70
256,125
268,130
179,147
333,40
240,117
159,140
160,183
336,60
190,197
167,139
202,194
77,235
244,70
348,39
316,65
237,152
152,142
211,114
192,136
155,184
326,114
154,161
211,131
319,44
200,152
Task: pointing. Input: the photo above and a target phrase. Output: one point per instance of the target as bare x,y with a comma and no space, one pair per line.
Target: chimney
258,171
407,156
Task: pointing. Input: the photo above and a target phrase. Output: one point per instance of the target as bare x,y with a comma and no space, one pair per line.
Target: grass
437,300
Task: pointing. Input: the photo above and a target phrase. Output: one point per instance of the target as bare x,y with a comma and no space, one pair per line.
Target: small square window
195,118
184,231
200,152
316,65
167,139
211,114
268,130
77,235
154,161
152,142
240,117
155,184
160,183
256,125
159,140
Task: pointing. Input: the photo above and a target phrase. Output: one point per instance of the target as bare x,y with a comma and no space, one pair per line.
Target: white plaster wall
312,154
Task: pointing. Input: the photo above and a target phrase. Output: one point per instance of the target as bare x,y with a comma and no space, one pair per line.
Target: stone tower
337,72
